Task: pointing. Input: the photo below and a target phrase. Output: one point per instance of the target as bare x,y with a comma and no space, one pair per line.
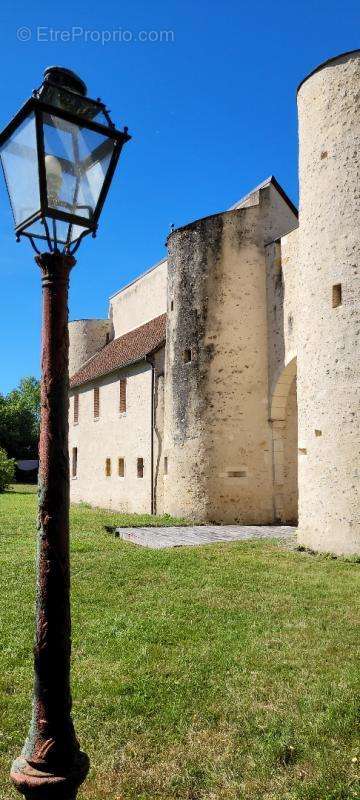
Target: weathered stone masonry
329,334
218,439
252,410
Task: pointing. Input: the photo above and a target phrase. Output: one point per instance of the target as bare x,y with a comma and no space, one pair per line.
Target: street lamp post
58,155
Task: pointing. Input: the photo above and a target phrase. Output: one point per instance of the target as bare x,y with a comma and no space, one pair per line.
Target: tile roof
121,352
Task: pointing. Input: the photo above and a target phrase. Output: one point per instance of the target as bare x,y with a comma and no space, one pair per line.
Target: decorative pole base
37,785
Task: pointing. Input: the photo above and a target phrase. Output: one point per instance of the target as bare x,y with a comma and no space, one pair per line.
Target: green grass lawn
223,672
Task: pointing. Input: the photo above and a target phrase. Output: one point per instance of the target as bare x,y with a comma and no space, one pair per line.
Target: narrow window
336,295
121,467
76,408
96,402
108,467
172,306
187,356
74,462
107,338
165,465
122,400
237,473
140,467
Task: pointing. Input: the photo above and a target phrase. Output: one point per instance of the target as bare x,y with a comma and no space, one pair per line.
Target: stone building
224,385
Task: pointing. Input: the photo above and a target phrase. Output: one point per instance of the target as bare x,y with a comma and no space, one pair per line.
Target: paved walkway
157,538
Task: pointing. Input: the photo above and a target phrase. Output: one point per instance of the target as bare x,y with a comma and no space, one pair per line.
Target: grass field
225,672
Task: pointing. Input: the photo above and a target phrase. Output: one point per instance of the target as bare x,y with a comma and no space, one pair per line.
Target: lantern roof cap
66,78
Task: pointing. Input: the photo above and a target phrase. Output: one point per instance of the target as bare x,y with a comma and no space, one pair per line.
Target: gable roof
270,180
127,349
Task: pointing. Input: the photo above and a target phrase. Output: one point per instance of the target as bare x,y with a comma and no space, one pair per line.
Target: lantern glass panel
19,161
76,163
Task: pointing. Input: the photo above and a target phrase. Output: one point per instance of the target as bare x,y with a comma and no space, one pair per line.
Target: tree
28,393
7,470
20,419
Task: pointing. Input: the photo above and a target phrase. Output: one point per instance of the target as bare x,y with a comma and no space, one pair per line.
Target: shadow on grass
22,488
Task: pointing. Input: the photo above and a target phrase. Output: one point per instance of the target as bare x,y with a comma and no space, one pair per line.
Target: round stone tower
217,437
329,306
87,337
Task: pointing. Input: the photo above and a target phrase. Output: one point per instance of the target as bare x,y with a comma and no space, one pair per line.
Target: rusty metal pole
51,766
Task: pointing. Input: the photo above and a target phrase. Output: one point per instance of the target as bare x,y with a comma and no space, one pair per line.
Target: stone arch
284,423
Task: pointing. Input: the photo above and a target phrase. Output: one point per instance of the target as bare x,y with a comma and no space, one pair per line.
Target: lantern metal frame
39,108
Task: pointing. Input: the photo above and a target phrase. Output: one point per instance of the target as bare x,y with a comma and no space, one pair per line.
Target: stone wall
158,450
117,435
282,313
218,440
329,324
114,435
291,311
140,301
282,307
291,494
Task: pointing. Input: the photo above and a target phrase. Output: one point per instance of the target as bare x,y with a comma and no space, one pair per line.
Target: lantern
58,156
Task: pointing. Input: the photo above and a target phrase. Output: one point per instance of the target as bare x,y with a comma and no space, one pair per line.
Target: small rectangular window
122,399
108,467
237,473
165,465
187,356
336,295
96,402
140,467
74,462
121,467
76,408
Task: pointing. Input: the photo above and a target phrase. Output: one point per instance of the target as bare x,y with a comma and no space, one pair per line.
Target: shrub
7,469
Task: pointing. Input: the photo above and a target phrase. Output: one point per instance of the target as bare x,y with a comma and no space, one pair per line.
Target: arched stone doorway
284,422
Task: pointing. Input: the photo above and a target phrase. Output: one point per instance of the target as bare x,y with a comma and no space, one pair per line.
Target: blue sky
212,113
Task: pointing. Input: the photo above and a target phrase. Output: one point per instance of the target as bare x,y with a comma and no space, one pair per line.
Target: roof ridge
274,182
252,191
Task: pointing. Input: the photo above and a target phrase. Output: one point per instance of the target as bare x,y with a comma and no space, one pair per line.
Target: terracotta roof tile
125,350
